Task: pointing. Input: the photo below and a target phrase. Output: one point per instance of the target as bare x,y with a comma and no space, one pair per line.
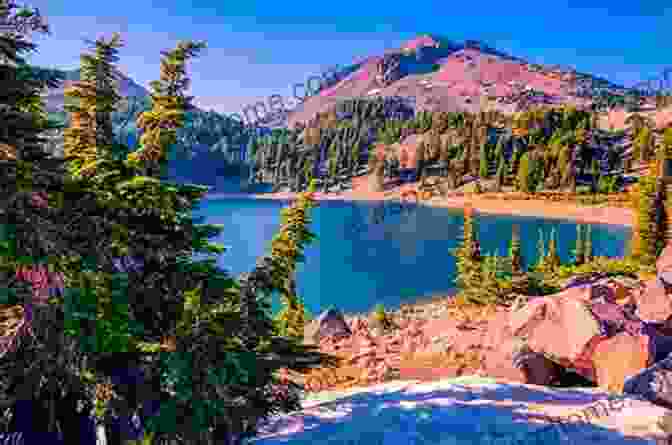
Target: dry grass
461,363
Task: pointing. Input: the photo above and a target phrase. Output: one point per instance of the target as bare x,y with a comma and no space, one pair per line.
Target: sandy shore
540,208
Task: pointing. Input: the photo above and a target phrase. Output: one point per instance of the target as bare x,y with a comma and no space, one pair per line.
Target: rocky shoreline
433,338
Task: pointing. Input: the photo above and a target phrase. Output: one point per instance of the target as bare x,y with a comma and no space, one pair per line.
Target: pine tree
286,252
355,154
30,185
541,253
595,173
468,262
562,165
501,171
579,252
90,139
491,289
643,144
644,246
466,159
169,107
499,149
588,247
513,163
553,260
523,179
515,251
570,177
333,161
420,159
661,216
483,167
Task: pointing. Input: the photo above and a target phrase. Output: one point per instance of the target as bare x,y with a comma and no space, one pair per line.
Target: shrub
608,184
379,312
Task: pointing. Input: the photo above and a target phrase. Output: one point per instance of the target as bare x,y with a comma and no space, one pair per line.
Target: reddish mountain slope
446,76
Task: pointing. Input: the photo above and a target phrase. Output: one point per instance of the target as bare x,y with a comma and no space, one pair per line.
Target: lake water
359,260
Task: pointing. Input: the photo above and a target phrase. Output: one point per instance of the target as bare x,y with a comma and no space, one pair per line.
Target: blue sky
259,48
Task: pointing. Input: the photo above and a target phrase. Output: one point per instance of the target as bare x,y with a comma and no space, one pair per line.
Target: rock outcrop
330,323
388,70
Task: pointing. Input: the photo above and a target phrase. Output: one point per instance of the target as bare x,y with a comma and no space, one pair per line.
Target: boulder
582,280
330,323
664,262
583,328
619,357
653,383
653,303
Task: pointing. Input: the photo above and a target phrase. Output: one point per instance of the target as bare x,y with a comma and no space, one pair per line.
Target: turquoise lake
368,253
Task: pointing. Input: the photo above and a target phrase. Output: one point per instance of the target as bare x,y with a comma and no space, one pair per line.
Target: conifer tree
491,289
562,165
420,159
286,252
90,140
468,261
595,173
588,247
332,161
541,253
161,291
660,217
579,252
499,149
523,179
644,246
483,167
513,163
34,351
169,107
553,259
501,171
466,159
515,251
643,144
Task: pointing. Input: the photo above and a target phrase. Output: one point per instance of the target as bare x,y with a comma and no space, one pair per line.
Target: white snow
463,411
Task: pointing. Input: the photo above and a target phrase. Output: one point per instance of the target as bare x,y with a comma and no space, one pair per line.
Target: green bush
610,266
379,312
608,184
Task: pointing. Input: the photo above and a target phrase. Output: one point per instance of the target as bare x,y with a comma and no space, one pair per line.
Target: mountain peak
420,41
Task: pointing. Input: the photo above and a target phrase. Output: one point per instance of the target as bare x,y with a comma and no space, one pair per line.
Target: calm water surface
368,253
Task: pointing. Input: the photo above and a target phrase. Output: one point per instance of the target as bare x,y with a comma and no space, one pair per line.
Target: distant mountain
442,75
54,100
209,148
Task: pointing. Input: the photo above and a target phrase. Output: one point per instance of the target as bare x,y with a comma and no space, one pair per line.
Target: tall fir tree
515,255
501,173
553,259
420,159
523,178
579,252
541,253
595,175
483,171
588,247
645,236
169,107
468,262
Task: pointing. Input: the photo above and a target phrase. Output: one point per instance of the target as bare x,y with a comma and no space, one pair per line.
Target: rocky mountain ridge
443,75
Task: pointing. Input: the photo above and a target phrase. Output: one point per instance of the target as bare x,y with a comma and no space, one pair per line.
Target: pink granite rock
653,303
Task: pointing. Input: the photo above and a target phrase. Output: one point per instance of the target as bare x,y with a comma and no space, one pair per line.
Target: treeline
545,147
485,279
332,148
